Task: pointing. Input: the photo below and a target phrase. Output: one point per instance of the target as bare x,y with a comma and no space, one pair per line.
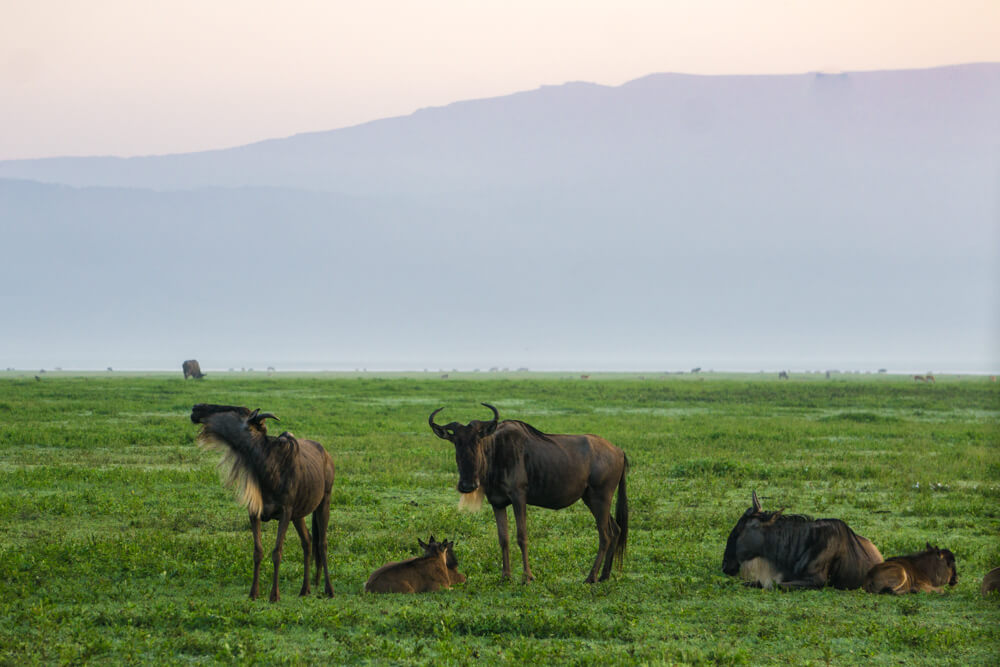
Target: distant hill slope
662,131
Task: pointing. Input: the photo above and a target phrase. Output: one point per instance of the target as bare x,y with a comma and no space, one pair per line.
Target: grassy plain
119,545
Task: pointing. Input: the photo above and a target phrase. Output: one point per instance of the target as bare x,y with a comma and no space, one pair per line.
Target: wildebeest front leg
279,544
258,556
521,522
300,528
500,514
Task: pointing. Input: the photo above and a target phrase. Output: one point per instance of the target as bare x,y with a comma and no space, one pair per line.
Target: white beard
471,502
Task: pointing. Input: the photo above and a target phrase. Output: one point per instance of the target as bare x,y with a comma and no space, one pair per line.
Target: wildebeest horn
756,503
438,431
496,415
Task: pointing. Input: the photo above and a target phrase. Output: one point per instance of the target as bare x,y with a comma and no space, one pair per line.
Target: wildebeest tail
621,518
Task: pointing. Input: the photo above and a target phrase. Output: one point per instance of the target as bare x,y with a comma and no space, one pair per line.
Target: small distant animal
513,463
926,571
281,478
783,375
696,369
192,369
444,376
991,582
796,551
426,573
584,377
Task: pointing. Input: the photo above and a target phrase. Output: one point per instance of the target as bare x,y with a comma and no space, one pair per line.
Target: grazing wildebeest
991,582
281,478
432,571
192,369
923,572
799,551
513,463
783,375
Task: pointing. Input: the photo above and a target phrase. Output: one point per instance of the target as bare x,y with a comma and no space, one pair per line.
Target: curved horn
438,431
253,415
496,415
756,503
267,415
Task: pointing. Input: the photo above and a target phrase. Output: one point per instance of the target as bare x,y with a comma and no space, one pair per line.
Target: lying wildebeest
192,369
434,570
991,582
923,572
512,463
281,478
797,551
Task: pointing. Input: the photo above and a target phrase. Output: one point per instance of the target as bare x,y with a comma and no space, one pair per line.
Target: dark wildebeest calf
431,572
512,463
923,572
768,548
991,582
192,369
281,478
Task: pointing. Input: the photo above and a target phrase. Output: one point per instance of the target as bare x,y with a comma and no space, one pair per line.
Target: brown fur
991,582
422,574
928,571
281,478
515,464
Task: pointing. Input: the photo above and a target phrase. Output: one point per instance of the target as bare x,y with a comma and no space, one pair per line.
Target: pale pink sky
135,77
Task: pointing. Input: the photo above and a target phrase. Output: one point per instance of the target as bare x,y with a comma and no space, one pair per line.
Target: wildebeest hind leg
503,536
300,528
607,535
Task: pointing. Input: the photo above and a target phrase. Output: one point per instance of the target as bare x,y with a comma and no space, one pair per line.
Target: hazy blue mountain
670,222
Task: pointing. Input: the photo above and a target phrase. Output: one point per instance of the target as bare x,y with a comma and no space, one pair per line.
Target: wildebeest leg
258,555
812,581
279,544
321,519
521,522
500,514
607,535
300,528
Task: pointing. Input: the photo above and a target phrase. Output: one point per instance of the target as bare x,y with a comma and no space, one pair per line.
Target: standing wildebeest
192,369
924,572
797,551
434,570
281,478
991,582
512,463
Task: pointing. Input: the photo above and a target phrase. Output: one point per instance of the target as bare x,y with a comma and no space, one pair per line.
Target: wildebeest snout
466,486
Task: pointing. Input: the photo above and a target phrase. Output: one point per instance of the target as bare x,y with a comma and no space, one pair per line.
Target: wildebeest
192,369
991,582
281,478
513,463
783,375
799,551
434,570
926,571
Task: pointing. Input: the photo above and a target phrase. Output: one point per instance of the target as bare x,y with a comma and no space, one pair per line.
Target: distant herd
511,463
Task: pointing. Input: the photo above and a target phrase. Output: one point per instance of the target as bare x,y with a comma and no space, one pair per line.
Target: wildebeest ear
774,517
421,543
756,502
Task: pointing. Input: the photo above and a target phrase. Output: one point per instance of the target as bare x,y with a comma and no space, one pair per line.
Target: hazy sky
134,77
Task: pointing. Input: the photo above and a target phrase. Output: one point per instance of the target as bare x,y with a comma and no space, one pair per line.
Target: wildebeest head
254,419
468,441
948,559
746,540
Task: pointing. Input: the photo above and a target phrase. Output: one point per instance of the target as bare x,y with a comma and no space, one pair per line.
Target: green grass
118,543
